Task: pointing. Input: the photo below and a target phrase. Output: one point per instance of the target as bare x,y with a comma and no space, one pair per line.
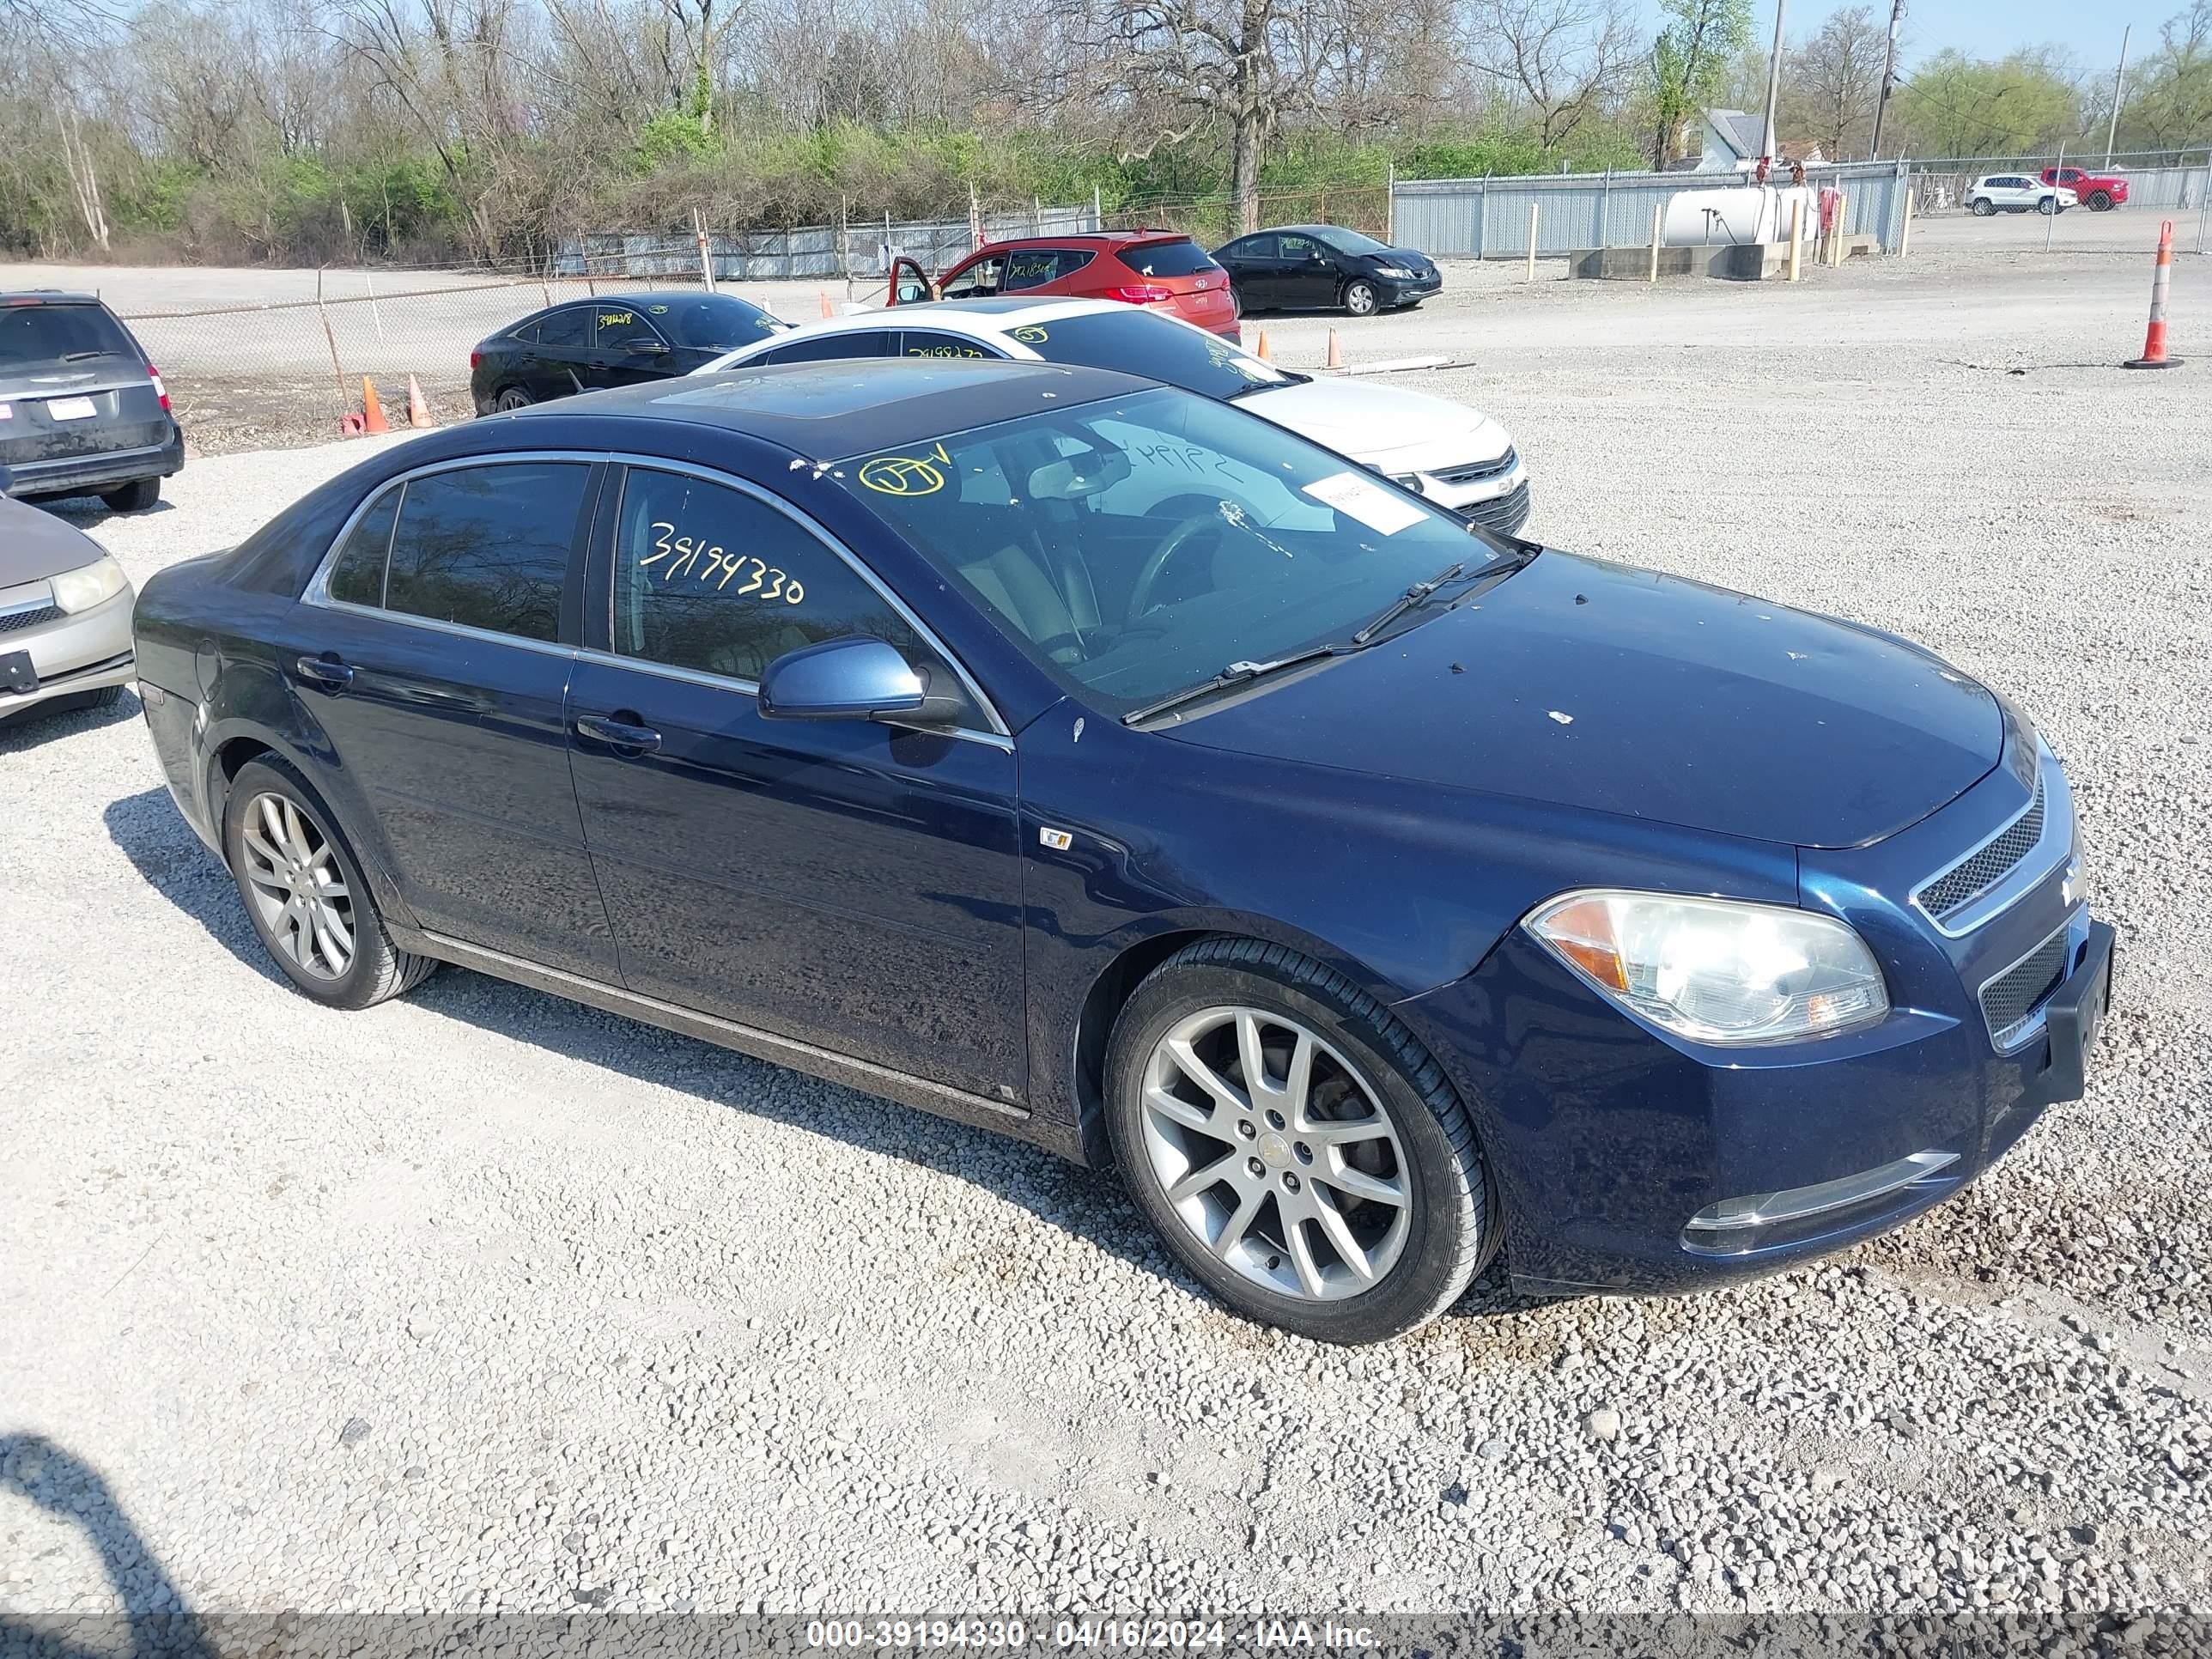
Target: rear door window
1181,257
828,348
928,342
571,327
488,547
1032,267
59,333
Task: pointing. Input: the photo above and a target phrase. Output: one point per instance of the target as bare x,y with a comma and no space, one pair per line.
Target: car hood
35,544
1624,691
1372,422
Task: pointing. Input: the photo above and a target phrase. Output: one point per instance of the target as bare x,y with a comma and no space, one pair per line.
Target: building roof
828,411
1744,134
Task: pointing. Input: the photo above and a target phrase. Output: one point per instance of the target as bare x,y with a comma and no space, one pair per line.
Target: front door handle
326,671
624,737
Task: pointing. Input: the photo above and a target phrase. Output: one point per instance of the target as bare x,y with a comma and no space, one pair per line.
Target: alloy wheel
1359,299
292,874
513,397
1276,1154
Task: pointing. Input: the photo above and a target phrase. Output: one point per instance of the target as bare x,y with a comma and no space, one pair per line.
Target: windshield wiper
79,357
1237,673
1419,593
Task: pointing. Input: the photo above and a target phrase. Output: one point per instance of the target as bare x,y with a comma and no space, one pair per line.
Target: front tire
137,497
2100,201
2047,206
305,894
1360,298
1342,1196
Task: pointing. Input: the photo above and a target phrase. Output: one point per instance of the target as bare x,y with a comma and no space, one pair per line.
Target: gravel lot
485,1301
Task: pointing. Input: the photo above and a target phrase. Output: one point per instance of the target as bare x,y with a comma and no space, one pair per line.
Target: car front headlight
89,585
1716,970
1397,273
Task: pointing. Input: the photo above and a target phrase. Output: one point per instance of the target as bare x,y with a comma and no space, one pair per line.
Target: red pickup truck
2099,192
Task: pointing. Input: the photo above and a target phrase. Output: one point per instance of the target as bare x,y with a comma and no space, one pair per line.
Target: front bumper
1628,1160
1406,291
102,470
68,655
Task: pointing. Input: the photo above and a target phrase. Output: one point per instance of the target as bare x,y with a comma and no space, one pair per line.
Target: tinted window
711,578
1201,537
525,333
981,277
568,327
488,547
358,577
927,343
46,334
1350,242
1182,257
827,348
624,328
715,322
1157,348
1031,267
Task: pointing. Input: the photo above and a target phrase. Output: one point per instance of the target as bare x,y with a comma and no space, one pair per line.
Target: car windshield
1137,546
1350,241
1157,348
53,333
713,322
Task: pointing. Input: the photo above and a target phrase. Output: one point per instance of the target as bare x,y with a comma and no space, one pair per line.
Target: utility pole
1888,77
2119,76
1773,83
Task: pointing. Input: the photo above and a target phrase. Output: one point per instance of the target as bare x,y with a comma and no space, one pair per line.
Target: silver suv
2016,192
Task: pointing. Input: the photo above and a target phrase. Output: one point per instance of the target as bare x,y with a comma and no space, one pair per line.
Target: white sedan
1457,457
2016,192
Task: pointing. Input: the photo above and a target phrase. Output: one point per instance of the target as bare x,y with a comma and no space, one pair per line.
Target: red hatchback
1139,267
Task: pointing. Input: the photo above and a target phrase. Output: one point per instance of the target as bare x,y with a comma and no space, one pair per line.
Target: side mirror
855,678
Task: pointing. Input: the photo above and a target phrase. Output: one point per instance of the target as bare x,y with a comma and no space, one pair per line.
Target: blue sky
1990,28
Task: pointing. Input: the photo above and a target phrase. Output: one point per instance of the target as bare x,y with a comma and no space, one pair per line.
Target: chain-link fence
2164,181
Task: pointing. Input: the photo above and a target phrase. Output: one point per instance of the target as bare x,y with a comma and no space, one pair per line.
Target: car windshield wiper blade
1237,673
1419,593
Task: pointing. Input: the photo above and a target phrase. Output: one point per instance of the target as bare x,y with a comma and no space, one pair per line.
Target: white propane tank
1734,214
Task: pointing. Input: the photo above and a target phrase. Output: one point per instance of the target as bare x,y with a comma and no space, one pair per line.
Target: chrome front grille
2011,1001
1476,471
1505,513
1987,865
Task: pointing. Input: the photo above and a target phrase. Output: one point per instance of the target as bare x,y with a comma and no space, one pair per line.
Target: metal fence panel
806,251
1488,218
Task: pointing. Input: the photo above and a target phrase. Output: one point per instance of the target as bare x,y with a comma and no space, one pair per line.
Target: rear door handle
326,671
624,737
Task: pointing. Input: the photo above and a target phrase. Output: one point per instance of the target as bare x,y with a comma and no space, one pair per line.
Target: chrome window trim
2029,1026
999,729
2051,849
317,591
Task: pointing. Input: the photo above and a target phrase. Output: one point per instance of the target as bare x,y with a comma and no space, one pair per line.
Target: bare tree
1834,80
1565,59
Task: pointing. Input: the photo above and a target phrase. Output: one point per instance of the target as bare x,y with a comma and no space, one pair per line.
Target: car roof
998,315
1105,240
825,411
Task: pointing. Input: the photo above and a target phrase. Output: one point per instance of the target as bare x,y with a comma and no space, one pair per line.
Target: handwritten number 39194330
682,553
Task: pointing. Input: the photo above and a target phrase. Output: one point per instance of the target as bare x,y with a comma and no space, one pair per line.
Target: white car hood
1395,428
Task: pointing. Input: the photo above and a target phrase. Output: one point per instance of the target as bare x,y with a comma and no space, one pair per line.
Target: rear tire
1367,1152
1360,298
1984,207
511,398
305,894
134,497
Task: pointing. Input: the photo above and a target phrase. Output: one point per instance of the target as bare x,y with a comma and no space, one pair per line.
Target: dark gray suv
83,411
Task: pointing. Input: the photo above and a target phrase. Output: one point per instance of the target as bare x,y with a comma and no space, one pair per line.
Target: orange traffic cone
1336,359
1260,349
418,412
825,293
2154,353
372,411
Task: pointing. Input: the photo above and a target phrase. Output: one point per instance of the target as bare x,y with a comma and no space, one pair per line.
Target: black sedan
1099,763
589,345
1318,267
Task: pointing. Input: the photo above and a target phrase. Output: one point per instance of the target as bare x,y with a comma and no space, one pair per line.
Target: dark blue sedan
1094,761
